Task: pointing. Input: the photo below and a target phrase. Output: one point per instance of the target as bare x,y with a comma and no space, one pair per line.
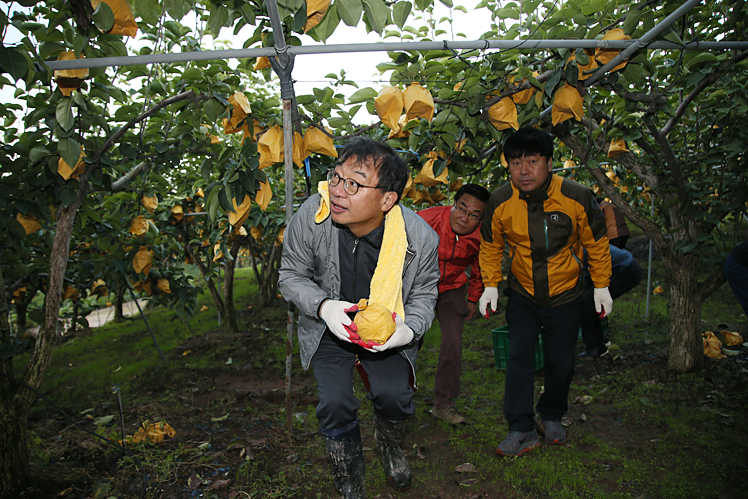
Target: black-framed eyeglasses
350,186
472,216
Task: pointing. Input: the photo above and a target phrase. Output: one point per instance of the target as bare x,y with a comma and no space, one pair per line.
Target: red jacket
456,253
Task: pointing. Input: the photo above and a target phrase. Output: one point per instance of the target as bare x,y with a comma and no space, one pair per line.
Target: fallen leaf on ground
466,468
194,481
218,484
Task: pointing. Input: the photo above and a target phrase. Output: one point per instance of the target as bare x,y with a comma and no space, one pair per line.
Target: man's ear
389,200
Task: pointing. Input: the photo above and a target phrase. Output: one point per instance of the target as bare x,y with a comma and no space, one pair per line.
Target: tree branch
715,75
120,184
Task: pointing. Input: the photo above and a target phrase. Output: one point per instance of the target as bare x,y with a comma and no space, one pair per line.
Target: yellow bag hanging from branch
389,105
399,132
66,172
418,102
256,131
524,96
503,114
617,146
30,223
567,103
141,262
256,233
279,237
163,285
438,195
139,226
604,56
69,79
264,195
239,110
410,189
299,150
217,253
270,146
422,196
712,346
455,185
99,288
143,286
315,11
69,291
124,20
241,211
262,63
426,175
316,140
177,213
149,203
584,70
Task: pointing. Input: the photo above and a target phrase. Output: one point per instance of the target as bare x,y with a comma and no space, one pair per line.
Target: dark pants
388,372
737,276
451,310
619,242
560,326
620,283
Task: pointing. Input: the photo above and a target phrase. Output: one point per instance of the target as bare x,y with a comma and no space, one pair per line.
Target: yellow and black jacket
544,233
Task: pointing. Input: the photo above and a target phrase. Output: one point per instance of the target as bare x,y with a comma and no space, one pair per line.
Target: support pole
649,264
282,64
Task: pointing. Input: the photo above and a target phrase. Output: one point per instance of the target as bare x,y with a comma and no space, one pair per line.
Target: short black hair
391,168
477,191
528,141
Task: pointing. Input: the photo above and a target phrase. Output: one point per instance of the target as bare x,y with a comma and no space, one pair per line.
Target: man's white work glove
490,295
333,312
402,336
603,302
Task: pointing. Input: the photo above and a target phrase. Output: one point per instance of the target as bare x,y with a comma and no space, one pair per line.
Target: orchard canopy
136,148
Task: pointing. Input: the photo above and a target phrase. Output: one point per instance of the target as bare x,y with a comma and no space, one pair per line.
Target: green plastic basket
501,349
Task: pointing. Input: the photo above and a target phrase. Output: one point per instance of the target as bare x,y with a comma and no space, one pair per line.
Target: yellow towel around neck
386,287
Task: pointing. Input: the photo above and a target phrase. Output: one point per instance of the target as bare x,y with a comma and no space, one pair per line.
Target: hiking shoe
554,432
517,443
447,414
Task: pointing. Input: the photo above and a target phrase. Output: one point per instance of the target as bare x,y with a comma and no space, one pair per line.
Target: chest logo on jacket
554,218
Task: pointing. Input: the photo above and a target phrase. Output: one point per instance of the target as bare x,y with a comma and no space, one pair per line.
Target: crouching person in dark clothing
353,240
627,273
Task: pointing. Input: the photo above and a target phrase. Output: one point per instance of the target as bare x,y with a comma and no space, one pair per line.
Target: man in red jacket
459,243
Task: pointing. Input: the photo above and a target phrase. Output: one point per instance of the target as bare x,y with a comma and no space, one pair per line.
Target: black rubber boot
388,440
346,455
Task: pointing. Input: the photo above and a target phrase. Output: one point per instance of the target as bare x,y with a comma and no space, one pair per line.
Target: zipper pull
545,227
355,245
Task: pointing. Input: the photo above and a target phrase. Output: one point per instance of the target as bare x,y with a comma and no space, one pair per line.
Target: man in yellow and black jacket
544,221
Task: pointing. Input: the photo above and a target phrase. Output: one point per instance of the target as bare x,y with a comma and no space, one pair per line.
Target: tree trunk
686,345
119,299
208,281
232,323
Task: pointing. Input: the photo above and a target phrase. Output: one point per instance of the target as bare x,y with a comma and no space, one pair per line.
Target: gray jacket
310,273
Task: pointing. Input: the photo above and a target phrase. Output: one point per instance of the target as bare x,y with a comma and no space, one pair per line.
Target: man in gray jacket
327,266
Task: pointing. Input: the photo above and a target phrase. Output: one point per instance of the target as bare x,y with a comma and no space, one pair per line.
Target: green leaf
178,8
13,63
148,10
64,114
363,95
223,199
377,14
103,17
400,13
218,19
69,150
632,19
350,11
213,109
67,197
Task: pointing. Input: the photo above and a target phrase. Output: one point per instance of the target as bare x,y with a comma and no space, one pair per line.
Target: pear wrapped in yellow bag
124,19
567,103
389,105
375,322
418,102
503,114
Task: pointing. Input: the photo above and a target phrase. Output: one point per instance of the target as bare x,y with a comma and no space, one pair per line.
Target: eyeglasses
473,217
350,186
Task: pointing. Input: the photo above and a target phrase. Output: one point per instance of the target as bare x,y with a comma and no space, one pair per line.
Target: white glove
333,312
490,295
603,302
402,336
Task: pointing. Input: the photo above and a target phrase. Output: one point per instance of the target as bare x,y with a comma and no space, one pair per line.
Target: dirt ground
232,441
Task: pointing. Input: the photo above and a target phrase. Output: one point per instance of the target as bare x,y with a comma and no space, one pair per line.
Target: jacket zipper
355,265
545,229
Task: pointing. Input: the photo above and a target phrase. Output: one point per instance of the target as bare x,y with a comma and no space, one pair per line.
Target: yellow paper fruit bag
426,175
418,102
69,79
389,105
270,146
262,63
163,285
503,114
264,195
29,222
604,56
149,203
712,346
315,11
64,170
567,103
241,211
124,20
375,322
399,132
524,96
316,140
141,262
139,226
617,146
